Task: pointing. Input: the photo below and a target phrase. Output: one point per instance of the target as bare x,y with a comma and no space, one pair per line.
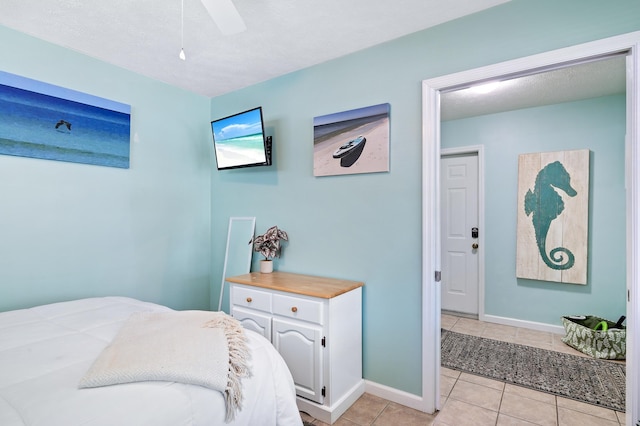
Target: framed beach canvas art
40,120
354,141
553,216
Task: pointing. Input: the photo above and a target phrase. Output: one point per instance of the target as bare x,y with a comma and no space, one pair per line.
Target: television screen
239,140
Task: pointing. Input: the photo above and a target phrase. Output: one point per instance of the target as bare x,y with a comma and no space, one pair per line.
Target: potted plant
269,246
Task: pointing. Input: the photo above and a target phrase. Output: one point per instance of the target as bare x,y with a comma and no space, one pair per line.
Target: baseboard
394,395
539,326
330,414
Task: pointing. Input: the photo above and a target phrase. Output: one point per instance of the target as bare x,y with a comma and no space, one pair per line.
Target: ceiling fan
225,15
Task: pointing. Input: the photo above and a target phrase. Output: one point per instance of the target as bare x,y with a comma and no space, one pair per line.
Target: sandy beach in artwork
374,157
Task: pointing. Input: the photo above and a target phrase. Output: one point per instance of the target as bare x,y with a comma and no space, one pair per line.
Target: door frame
479,151
431,210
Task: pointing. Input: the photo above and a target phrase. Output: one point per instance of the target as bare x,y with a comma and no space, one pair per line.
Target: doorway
431,220
462,230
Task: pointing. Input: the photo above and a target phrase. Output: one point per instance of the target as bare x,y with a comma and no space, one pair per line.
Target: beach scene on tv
239,140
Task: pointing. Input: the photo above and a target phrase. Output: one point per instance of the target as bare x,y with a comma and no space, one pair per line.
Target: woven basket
609,344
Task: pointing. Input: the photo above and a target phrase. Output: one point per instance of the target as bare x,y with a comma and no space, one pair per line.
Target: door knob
474,246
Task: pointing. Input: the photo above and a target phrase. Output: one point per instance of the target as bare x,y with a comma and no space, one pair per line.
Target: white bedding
44,352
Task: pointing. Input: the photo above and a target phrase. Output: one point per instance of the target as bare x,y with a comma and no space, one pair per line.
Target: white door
459,233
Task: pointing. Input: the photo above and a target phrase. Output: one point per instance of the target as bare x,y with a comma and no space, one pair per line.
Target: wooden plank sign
553,216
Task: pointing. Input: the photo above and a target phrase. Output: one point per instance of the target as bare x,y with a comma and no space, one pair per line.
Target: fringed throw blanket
193,347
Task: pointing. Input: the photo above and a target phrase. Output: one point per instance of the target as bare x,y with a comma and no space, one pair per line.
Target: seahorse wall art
553,216
544,205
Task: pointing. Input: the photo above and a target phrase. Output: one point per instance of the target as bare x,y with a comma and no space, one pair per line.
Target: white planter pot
266,266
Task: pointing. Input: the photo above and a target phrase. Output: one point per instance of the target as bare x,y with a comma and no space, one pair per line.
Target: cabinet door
301,347
252,320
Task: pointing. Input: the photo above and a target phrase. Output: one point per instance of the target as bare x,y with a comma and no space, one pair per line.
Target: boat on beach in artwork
349,147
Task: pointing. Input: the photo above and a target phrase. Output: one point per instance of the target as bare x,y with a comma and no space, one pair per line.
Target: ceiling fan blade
225,15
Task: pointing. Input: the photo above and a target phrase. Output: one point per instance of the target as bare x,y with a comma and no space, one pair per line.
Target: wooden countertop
307,285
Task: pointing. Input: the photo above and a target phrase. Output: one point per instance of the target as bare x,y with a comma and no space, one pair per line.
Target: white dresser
315,323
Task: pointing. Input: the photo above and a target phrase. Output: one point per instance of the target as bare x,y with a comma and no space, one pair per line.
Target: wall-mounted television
239,140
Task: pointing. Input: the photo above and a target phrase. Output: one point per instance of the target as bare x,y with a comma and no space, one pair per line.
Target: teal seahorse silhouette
545,205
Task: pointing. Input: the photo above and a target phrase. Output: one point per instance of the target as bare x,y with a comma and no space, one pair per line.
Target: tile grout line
504,388
379,414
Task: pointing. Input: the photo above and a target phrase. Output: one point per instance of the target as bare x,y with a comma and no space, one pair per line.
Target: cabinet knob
294,309
249,300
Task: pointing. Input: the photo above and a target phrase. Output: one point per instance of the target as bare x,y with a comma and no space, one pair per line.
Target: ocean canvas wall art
40,120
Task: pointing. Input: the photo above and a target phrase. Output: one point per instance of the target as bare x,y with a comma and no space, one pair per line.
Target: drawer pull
294,309
249,300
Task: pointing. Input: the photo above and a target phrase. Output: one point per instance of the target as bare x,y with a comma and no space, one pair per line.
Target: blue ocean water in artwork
35,125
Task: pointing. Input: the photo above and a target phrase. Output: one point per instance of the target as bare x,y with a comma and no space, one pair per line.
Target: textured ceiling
580,81
282,35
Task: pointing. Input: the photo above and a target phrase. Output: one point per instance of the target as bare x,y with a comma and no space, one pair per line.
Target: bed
47,350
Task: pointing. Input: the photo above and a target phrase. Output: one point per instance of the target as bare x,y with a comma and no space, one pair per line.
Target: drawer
298,308
251,298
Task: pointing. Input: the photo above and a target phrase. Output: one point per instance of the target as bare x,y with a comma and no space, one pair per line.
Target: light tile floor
477,401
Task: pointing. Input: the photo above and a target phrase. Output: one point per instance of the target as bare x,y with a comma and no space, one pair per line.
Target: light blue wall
72,230
69,230
595,124
368,227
